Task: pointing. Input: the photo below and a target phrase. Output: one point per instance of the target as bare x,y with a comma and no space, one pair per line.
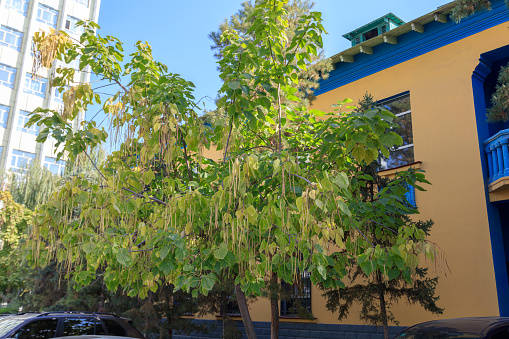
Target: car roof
474,325
66,314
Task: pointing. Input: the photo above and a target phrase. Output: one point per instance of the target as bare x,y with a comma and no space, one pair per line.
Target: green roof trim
373,24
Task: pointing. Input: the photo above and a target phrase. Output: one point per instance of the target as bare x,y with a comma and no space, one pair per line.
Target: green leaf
207,282
234,84
221,252
123,257
322,271
393,273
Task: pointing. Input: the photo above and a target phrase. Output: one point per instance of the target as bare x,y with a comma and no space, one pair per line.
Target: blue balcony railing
497,150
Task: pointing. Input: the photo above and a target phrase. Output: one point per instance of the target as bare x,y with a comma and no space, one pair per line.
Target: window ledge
392,171
289,319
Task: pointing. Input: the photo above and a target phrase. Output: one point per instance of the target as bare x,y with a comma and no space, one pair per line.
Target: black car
481,327
62,324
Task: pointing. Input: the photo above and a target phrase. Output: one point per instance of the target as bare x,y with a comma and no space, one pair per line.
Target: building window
82,2
371,34
10,37
19,5
383,29
24,116
20,160
404,154
296,298
70,25
59,96
47,15
55,167
4,115
7,75
35,85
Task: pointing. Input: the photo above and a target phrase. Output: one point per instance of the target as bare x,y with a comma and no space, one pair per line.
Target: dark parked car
481,327
63,324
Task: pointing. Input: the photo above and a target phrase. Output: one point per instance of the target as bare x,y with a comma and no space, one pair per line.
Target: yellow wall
445,141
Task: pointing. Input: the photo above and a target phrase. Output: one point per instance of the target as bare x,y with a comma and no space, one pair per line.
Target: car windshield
6,325
436,335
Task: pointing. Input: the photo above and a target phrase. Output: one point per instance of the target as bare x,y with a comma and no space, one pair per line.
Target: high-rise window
47,15
82,2
35,85
7,75
4,115
19,5
20,160
70,25
24,116
402,155
56,167
10,37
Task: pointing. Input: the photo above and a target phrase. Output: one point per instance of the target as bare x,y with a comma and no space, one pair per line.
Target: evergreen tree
378,290
499,110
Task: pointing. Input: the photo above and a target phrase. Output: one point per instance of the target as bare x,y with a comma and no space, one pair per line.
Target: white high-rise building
20,93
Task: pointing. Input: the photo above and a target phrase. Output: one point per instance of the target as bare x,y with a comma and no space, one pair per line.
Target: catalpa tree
274,202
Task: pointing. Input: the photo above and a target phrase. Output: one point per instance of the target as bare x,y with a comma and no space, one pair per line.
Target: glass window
296,298
56,167
59,96
114,328
70,25
19,5
10,37
4,115
79,326
20,160
41,329
47,15
82,2
23,118
7,75
8,325
404,154
35,85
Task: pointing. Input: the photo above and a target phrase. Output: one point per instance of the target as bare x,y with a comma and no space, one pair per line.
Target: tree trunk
383,310
274,306
244,312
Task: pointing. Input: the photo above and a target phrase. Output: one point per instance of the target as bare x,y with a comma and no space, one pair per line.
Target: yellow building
444,73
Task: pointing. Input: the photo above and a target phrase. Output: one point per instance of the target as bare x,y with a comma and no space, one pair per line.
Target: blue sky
178,30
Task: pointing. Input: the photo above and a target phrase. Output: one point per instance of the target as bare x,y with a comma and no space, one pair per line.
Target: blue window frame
47,15
4,115
70,25
19,5
35,85
10,37
20,160
402,155
82,2
23,118
55,167
7,75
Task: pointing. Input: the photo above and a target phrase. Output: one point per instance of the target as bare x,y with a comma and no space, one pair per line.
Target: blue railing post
505,154
493,150
490,161
500,160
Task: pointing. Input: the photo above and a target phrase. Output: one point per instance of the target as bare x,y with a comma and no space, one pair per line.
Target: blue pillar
493,149
505,154
500,160
490,164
